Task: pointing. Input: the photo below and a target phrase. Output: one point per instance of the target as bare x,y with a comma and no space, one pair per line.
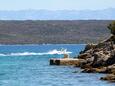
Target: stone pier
63,61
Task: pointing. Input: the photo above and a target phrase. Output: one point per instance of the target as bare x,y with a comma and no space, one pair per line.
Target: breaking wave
53,52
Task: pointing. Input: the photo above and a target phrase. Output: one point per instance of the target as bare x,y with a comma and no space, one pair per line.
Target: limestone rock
110,77
95,70
111,69
99,58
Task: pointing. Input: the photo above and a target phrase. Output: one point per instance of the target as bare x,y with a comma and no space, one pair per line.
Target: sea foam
52,52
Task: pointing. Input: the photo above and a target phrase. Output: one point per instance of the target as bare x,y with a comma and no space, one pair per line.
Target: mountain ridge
105,14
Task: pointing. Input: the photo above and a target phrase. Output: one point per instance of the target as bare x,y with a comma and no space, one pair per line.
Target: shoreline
36,44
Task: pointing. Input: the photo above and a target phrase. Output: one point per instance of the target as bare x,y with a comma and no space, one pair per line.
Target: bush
112,27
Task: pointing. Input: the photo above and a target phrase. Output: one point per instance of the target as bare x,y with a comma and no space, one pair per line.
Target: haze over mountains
106,14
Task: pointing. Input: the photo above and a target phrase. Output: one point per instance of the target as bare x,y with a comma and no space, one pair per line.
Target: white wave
2,54
35,54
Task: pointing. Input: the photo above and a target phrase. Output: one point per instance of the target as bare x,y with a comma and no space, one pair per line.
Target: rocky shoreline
99,58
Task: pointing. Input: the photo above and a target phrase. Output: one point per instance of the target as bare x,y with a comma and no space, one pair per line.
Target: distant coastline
53,32
36,44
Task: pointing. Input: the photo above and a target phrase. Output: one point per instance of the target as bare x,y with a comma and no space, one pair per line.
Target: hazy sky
56,4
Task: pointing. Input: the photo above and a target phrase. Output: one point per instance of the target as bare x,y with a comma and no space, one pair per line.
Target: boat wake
52,52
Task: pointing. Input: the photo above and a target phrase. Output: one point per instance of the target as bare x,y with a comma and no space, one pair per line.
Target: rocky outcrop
110,77
100,58
111,69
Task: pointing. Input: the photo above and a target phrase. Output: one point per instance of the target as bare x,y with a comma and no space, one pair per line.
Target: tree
112,27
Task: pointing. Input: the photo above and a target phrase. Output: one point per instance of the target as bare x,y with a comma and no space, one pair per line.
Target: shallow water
34,70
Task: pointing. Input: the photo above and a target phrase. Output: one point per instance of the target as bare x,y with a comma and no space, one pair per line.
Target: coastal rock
95,70
110,77
88,47
84,56
80,62
100,55
111,69
100,58
111,60
112,38
89,69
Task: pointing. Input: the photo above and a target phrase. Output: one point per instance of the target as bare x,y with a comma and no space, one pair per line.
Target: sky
56,4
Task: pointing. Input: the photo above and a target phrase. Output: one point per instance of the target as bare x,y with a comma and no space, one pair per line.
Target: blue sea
28,65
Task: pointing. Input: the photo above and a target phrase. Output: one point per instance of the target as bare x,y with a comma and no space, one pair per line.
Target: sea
28,65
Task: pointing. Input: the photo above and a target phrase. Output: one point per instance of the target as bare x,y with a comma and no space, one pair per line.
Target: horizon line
56,10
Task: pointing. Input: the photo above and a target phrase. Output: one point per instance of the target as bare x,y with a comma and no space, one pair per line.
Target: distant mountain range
106,14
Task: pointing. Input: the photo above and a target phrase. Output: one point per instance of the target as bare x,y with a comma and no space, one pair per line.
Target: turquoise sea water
28,65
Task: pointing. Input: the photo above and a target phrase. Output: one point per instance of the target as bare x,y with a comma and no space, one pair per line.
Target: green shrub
112,27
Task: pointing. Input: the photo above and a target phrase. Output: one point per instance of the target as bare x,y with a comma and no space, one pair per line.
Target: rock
111,69
111,60
110,77
83,66
112,38
99,58
88,70
100,55
88,47
95,70
101,70
80,62
98,61
84,56
105,45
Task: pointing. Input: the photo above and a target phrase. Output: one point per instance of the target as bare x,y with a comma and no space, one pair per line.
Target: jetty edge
65,62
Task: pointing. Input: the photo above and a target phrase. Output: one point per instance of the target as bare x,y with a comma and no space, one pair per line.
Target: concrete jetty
63,61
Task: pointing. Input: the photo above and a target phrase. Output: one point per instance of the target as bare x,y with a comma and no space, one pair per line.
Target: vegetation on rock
112,27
